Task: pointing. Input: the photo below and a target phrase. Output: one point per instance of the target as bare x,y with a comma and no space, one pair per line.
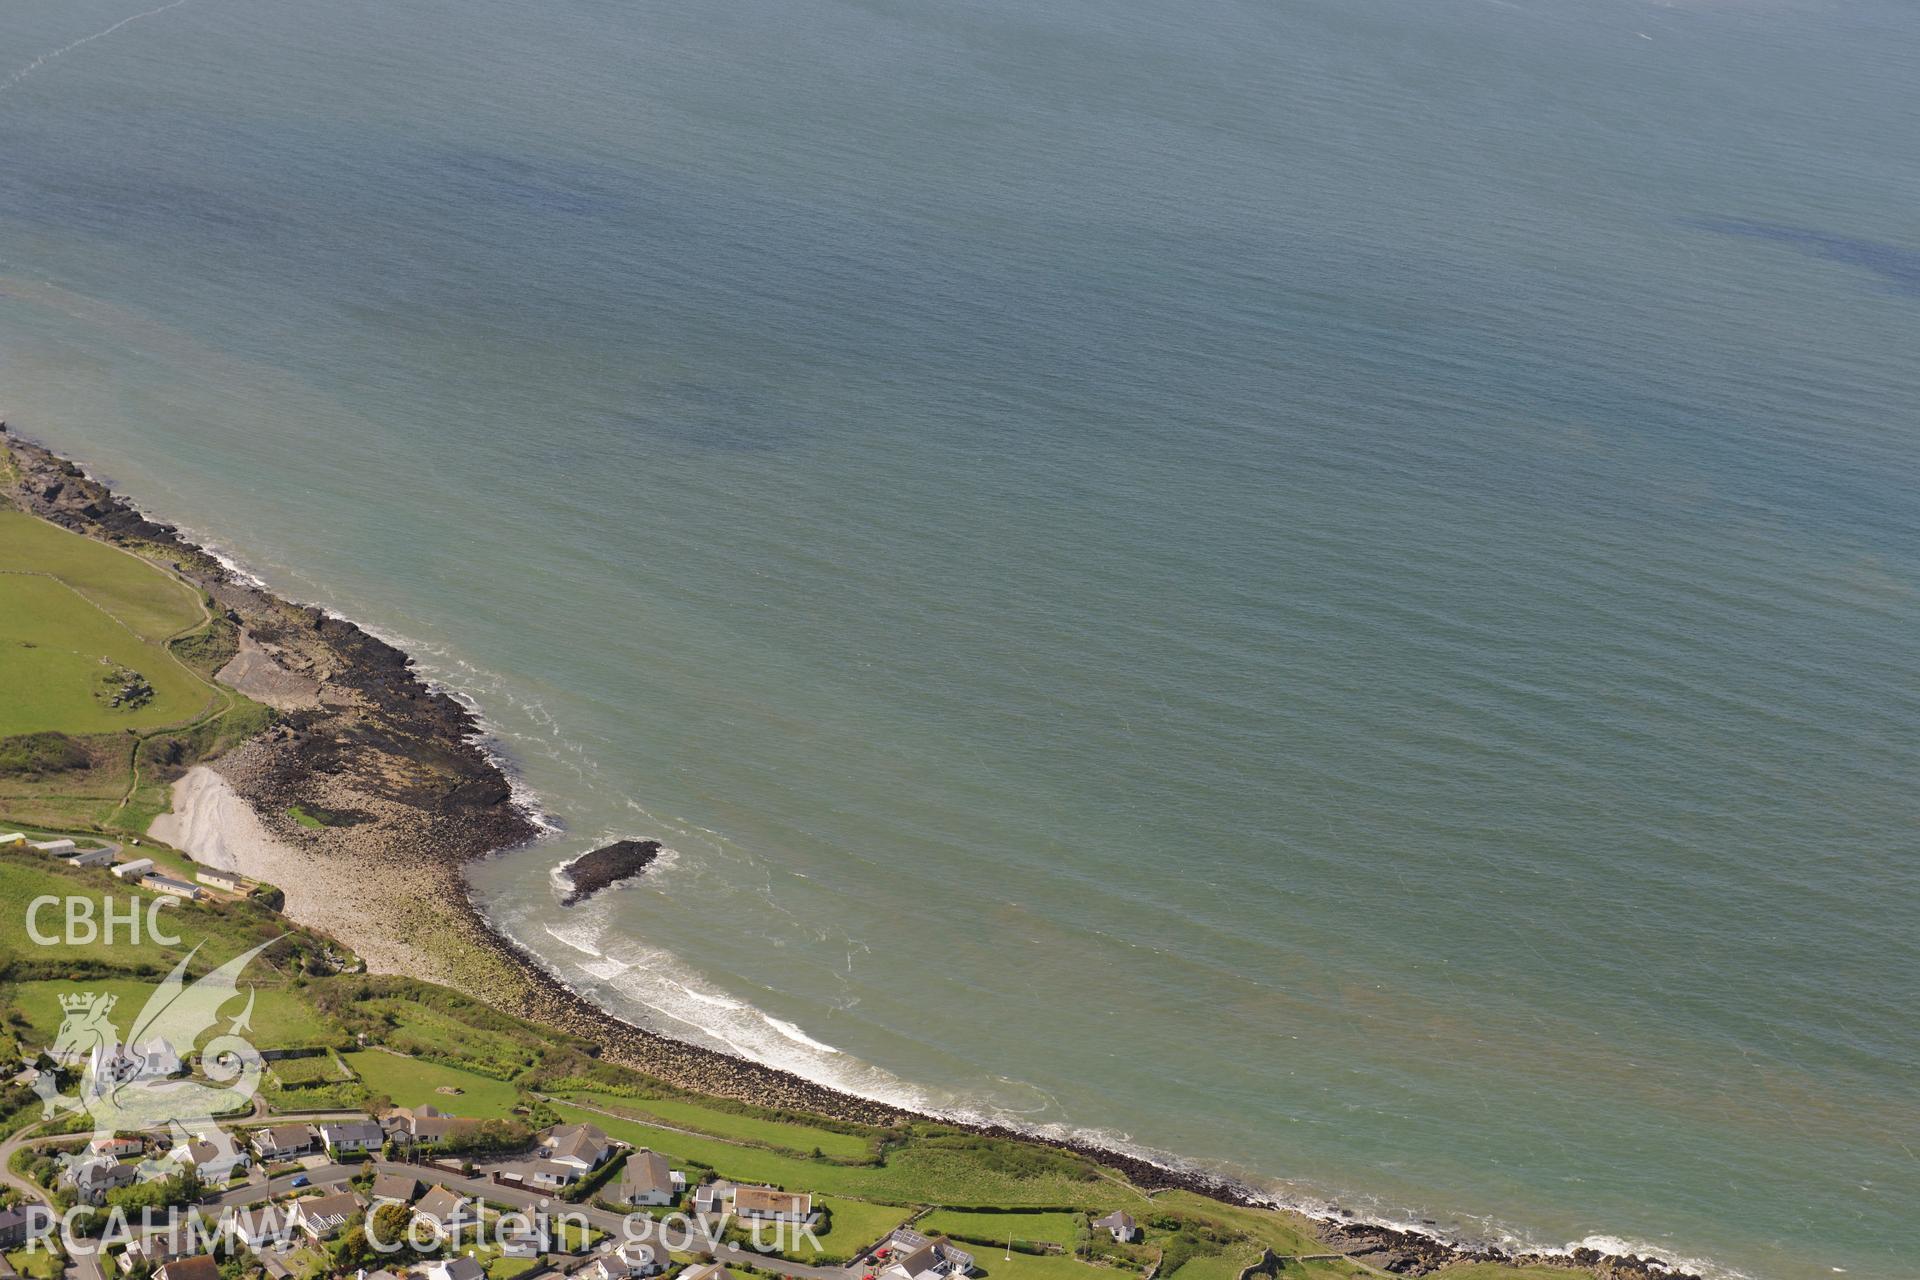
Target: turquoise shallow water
1325,587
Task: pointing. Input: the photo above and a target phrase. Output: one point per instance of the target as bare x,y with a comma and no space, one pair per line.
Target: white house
460,1268
134,869
55,847
154,1059
92,1180
648,1180
712,1197
257,1228
909,1255
160,1247
447,1215
284,1141
583,1146
12,837
167,884
1120,1225
342,1137
766,1204
548,1173
213,1163
214,878
322,1217
92,858
116,1147
632,1259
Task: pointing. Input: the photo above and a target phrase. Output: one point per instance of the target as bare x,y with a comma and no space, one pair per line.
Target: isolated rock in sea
589,873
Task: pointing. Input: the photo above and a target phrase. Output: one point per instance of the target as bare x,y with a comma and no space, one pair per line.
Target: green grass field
415,1028
153,603
922,1173
75,613
995,1228
411,1082
83,626
1218,1266
280,1018
59,655
800,1139
322,1069
851,1226
854,1224
35,1264
1027,1266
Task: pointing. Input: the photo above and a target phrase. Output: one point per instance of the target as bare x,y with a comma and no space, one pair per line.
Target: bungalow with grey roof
913,1256
647,1179
322,1217
91,1181
1120,1225
284,1141
583,1146
395,1188
344,1137
210,1159
631,1260
460,1268
261,1227
447,1215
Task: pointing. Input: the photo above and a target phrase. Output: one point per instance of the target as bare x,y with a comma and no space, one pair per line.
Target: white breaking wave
795,1034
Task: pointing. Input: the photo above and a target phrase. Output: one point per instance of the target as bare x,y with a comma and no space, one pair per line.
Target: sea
1328,589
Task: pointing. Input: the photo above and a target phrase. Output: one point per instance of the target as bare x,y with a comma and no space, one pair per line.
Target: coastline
412,795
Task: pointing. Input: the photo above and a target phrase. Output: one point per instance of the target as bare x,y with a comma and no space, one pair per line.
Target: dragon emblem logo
143,1084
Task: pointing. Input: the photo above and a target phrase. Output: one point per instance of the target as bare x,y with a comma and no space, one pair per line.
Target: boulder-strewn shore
410,797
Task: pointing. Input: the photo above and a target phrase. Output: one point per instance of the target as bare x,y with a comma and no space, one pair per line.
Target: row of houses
137,870
350,1136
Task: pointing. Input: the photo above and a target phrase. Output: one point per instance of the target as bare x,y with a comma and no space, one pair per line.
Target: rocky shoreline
411,797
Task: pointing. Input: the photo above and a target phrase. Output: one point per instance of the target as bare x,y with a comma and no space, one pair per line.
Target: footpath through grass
106,689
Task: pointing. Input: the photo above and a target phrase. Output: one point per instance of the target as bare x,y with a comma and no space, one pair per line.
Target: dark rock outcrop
589,873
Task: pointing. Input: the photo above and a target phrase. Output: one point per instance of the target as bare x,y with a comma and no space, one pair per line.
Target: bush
38,754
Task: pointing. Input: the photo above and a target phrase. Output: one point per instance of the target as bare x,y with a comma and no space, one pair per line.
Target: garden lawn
412,1082
855,1224
994,1228
419,1028
922,1173
801,1139
852,1226
1026,1266
37,1264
